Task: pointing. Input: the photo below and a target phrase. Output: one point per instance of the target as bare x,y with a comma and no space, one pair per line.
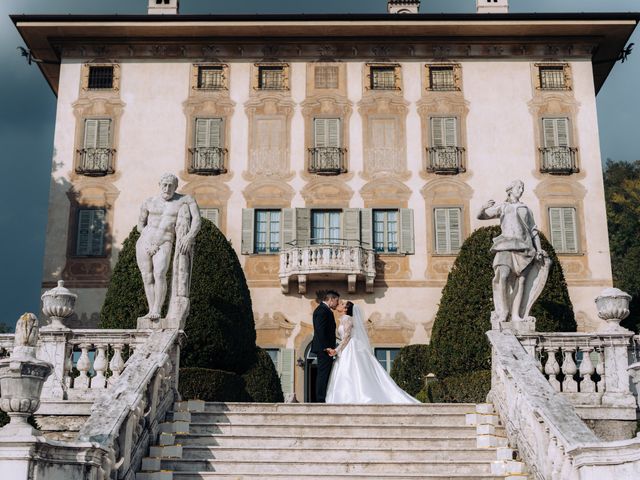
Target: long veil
359,333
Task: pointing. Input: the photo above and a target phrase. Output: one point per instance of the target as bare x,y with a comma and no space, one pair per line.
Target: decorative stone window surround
312,89
195,75
89,272
255,77
215,104
84,83
566,192
457,76
326,107
566,70
210,193
443,104
444,192
368,75
389,330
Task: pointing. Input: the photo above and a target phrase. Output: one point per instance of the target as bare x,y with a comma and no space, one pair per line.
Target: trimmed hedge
458,342
410,368
211,385
4,419
471,387
220,329
262,383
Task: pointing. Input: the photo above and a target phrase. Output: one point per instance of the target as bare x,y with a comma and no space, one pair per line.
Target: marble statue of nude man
157,227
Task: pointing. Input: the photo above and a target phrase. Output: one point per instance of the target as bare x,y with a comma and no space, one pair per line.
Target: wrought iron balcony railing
327,160
208,160
445,159
95,161
560,160
327,261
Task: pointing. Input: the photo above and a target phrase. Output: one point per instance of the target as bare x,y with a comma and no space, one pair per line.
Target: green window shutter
441,230
90,133
303,226
286,370
455,229
556,132
333,132
444,131
211,214
208,132
366,227
248,223
437,132
562,223
407,244
91,229
450,131
351,226
326,132
555,225
320,132
288,230
569,225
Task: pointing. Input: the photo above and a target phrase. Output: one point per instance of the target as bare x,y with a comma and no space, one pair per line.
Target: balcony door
325,227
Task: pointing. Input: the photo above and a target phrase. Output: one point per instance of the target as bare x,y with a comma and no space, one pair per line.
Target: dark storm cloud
27,115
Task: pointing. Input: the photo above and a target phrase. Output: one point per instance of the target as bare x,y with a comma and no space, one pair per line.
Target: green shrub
261,381
4,419
422,396
410,368
470,387
458,342
211,385
220,329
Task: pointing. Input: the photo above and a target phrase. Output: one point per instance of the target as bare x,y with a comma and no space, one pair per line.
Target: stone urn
58,304
613,307
21,379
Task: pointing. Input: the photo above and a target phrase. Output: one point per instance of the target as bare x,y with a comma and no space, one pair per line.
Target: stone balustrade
541,423
327,262
589,369
85,361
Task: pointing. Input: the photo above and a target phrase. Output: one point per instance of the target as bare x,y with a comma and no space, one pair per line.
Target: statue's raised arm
520,264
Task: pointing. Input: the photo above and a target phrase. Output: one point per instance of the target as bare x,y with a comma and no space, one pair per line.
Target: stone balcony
559,160
332,262
208,160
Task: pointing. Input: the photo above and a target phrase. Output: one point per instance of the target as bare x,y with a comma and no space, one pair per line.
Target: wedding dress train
357,376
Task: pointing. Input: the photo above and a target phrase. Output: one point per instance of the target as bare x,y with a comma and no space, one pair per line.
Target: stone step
276,476
315,441
334,455
322,408
332,430
350,418
322,468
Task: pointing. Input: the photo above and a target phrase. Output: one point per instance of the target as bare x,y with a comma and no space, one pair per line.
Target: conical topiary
458,341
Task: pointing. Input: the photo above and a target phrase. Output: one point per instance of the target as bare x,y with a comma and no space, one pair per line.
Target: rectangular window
326,132
325,227
100,77
552,77
442,78
556,132
96,151
211,77
91,232
97,133
444,132
274,353
383,78
448,230
211,214
208,133
267,231
386,356
385,231
326,77
562,224
271,78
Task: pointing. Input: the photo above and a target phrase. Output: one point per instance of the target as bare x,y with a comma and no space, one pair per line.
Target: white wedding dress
357,376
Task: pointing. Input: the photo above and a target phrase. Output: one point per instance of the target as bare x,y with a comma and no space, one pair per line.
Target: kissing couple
349,373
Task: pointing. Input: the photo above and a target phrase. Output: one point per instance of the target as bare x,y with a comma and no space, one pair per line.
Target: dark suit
324,336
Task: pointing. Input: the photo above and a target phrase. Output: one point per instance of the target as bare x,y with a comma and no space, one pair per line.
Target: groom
324,340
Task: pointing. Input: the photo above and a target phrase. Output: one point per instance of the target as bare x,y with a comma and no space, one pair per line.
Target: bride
357,376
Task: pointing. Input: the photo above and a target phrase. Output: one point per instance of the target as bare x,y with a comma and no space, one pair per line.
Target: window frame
576,229
258,78
397,79
268,233
328,215
450,252
566,72
86,74
76,245
388,360
385,231
456,72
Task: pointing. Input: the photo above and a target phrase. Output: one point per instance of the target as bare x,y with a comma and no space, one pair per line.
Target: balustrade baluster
100,367
600,370
587,385
569,369
83,366
552,369
67,369
116,365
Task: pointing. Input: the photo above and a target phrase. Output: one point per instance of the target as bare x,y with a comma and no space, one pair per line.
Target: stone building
334,151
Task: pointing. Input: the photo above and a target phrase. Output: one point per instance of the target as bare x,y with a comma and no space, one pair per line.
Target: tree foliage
622,194
458,342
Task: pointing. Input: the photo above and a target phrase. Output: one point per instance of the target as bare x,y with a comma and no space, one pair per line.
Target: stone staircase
312,441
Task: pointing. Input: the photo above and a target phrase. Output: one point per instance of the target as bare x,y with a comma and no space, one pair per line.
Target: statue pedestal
518,327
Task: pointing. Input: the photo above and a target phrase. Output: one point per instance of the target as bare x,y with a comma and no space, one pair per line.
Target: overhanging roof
608,31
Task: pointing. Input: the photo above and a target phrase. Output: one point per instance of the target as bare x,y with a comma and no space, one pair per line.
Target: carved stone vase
613,307
21,379
58,304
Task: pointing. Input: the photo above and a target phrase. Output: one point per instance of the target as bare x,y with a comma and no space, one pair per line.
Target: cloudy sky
27,114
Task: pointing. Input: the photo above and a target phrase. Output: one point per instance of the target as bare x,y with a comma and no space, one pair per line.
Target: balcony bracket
284,284
302,284
369,285
352,283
